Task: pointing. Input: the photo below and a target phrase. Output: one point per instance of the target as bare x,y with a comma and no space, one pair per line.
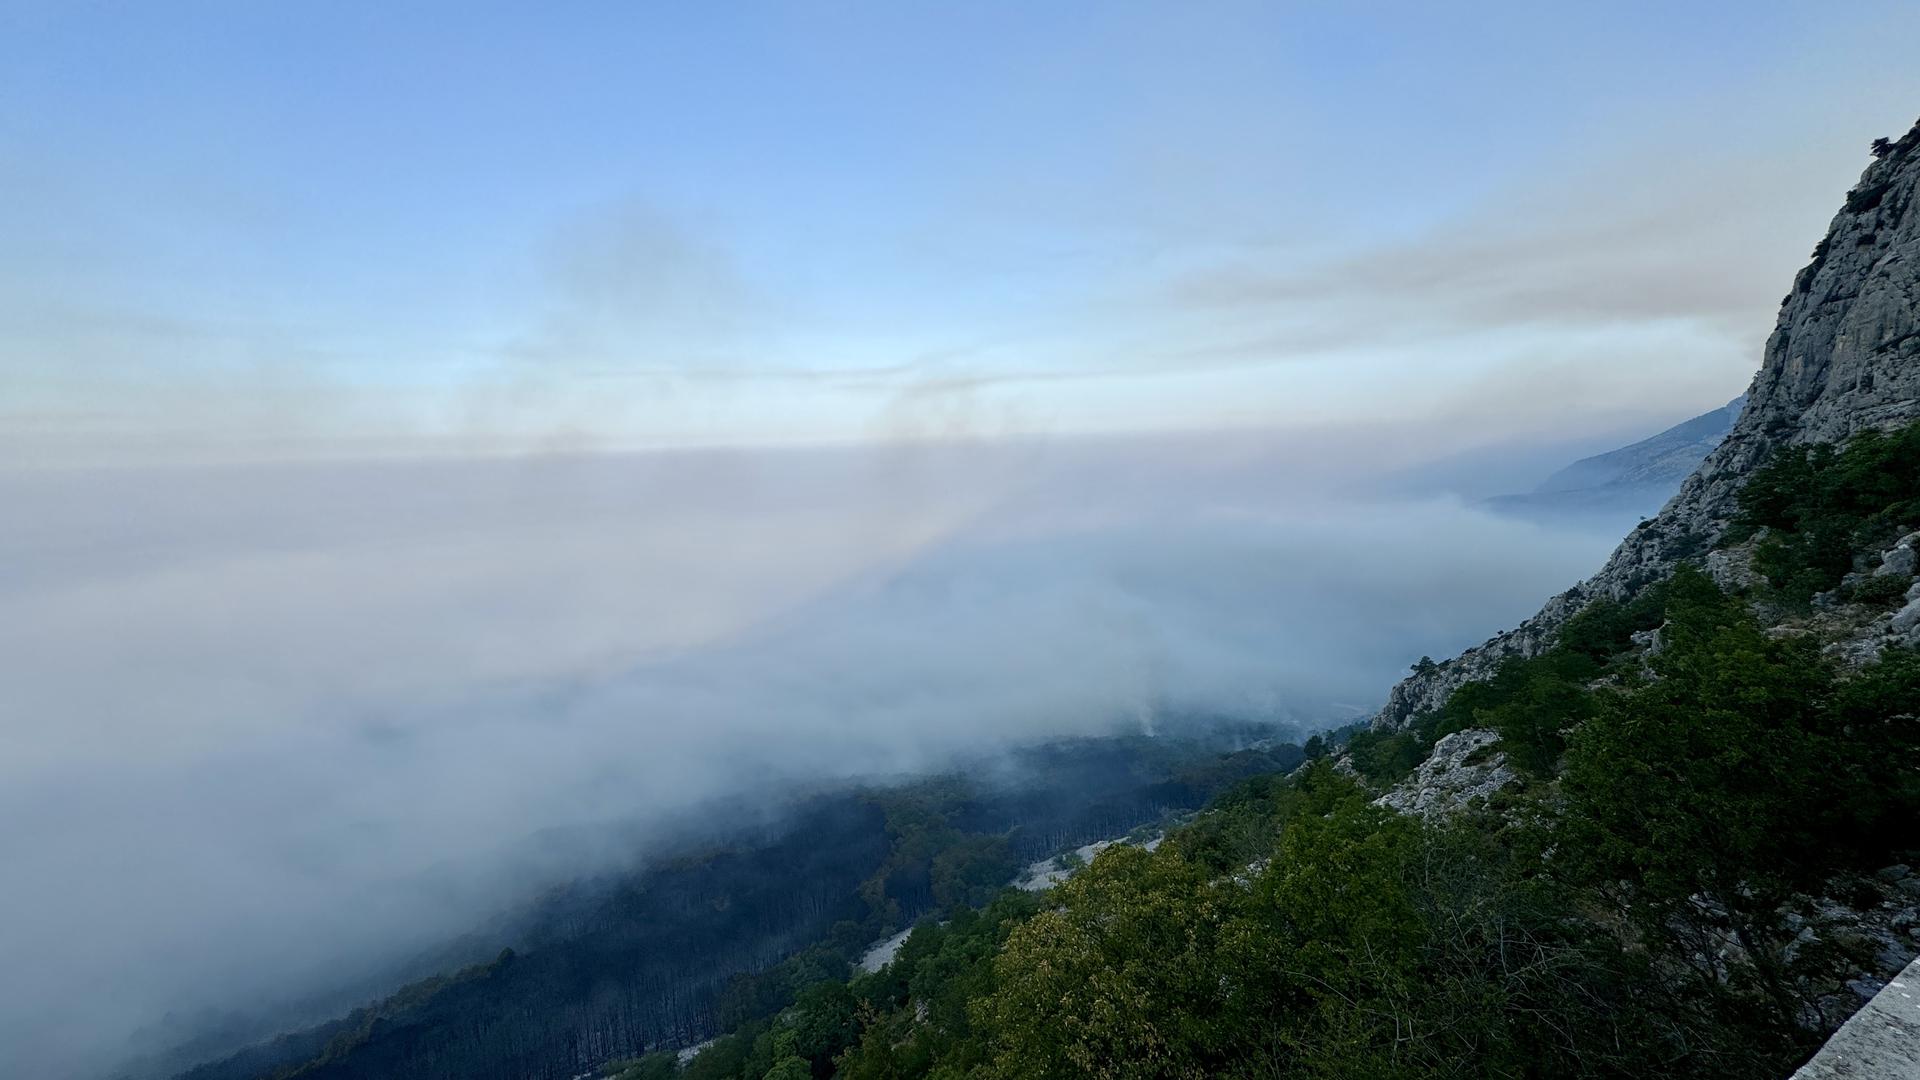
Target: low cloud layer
268,729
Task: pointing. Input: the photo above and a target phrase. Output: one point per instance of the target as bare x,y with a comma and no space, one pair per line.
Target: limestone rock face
1464,766
1844,357
1732,569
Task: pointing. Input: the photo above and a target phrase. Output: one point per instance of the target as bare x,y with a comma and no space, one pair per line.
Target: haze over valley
365,699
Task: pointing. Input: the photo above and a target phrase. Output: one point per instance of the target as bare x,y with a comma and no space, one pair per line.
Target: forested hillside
726,933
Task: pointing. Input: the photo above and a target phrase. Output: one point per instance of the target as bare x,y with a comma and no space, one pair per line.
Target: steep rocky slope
1843,357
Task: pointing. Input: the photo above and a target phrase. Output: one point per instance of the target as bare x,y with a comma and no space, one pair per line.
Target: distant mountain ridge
1631,481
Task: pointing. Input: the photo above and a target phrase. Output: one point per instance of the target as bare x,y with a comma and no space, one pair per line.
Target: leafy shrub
1824,506
1386,758
1604,629
1704,800
1880,590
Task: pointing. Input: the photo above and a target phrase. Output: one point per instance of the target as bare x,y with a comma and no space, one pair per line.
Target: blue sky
241,230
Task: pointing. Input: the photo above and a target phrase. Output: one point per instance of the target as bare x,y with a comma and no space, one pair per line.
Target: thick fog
264,730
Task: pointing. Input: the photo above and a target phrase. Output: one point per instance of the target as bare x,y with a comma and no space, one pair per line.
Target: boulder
1901,559
1907,618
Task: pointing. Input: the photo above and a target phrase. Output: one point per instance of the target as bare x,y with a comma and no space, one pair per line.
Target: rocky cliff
1843,357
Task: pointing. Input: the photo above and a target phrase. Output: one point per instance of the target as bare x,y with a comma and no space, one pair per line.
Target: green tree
790,1068
1385,757
1121,980
1699,802
1825,507
1330,934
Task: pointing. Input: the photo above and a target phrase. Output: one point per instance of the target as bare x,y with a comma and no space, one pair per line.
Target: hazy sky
264,230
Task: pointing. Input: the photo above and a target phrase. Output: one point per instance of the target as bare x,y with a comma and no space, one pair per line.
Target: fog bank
263,730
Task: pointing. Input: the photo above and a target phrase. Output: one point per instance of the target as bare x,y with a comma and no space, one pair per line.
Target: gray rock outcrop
1732,568
1463,767
1901,559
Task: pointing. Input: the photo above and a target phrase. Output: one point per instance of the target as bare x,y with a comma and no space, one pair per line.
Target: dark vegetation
734,932
1825,509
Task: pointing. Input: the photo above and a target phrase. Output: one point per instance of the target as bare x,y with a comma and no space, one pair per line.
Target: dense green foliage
1825,506
1385,757
1699,804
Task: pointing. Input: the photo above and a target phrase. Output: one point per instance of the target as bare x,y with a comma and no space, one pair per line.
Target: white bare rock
881,953
1463,767
1650,642
1047,873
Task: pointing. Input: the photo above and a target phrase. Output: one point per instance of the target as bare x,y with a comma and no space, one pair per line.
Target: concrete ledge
1880,1042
